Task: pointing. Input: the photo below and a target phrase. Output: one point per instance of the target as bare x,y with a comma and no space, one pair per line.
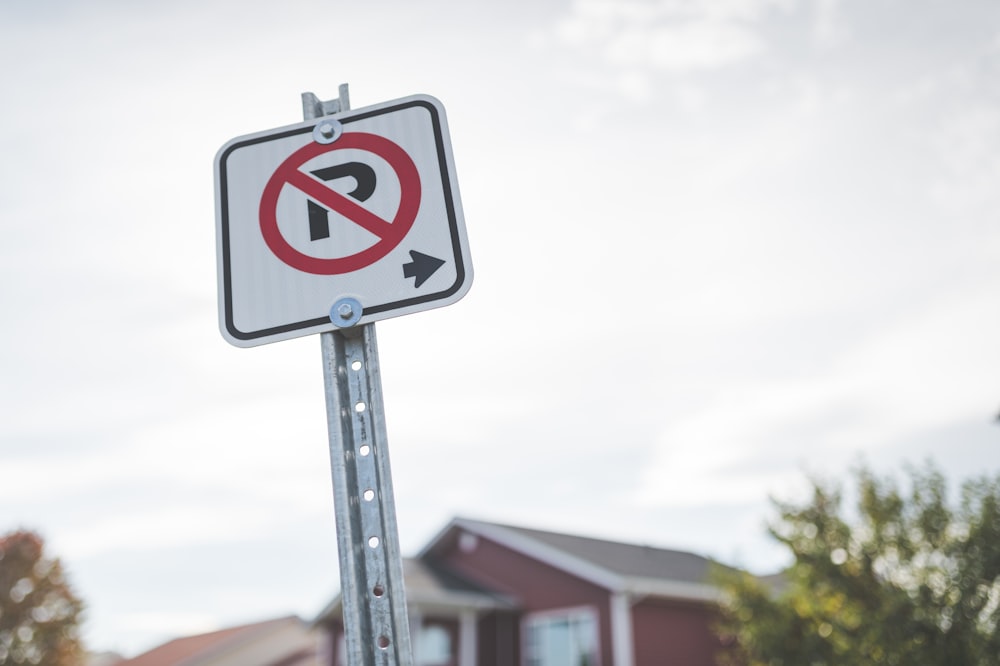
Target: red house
483,594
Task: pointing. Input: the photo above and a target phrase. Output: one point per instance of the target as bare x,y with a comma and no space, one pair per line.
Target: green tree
39,613
910,578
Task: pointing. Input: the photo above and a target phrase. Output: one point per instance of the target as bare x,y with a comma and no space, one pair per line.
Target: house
485,594
286,641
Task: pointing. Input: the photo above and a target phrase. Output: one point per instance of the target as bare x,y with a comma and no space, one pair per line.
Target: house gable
458,531
542,584
532,583
625,590
613,566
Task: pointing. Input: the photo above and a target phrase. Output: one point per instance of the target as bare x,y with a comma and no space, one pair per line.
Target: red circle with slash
390,233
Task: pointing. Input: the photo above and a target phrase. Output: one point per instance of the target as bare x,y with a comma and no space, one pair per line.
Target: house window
561,638
433,646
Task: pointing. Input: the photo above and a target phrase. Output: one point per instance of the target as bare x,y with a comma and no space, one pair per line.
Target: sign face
341,220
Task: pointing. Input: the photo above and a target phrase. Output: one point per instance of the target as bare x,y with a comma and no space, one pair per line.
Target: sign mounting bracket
313,108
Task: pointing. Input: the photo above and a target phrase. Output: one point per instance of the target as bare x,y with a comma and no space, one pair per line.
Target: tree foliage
38,611
910,579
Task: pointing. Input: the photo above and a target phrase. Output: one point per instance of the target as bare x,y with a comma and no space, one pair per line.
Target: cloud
675,36
701,45
828,27
756,439
182,525
966,144
713,456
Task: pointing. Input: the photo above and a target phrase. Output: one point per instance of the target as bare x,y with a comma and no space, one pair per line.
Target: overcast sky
719,245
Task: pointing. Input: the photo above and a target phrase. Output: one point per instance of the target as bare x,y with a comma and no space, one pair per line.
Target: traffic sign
341,220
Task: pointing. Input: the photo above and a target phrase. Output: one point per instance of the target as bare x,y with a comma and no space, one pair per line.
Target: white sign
338,221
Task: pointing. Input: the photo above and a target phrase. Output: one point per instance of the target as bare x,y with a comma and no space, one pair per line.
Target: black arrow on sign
422,267
364,176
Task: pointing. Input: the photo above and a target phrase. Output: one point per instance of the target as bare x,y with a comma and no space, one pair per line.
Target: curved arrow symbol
363,174
422,267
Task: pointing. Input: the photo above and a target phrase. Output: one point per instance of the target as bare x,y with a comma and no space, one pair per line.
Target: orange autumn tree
39,613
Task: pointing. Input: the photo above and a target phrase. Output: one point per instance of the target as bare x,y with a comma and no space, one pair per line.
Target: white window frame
422,657
571,614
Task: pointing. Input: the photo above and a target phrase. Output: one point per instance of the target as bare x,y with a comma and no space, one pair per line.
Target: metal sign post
376,626
299,252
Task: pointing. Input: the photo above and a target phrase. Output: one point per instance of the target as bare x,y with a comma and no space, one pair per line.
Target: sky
720,247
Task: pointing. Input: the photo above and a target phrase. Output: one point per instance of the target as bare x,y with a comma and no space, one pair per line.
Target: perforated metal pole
376,626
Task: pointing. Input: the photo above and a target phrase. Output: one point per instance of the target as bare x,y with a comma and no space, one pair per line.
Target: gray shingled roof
430,587
427,583
634,561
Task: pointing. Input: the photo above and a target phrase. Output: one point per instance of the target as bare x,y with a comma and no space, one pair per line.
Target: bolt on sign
338,221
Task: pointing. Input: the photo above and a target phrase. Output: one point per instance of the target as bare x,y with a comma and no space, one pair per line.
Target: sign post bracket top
312,107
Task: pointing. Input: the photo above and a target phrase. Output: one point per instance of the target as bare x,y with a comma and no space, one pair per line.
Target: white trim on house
590,612
672,589
467,645
455,600
621,630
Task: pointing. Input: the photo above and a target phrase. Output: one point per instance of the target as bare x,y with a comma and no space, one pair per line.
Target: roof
429,585
431,588
193,649
624,558
636,570
617,566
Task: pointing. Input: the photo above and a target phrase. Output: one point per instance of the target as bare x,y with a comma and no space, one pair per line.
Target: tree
38,611
909,579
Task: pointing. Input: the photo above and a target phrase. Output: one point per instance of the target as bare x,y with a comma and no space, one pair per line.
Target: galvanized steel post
373,600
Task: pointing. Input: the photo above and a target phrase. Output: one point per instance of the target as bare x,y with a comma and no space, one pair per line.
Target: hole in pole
378,590
373,542
383,642
359,407
365,450
355,365
369,495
